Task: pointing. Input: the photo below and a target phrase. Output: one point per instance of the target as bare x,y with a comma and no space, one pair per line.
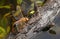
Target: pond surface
47,35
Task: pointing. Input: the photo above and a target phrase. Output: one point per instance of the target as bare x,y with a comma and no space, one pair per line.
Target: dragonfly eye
14,25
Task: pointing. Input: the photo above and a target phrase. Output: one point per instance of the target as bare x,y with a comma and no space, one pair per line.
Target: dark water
47,35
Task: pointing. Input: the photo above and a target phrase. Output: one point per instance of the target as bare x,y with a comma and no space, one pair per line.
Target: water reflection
47,35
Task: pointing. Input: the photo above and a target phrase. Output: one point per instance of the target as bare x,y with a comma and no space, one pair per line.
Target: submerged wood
45,16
